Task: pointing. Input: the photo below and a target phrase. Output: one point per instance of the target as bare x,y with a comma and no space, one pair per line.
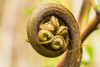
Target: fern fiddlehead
51,29
47,37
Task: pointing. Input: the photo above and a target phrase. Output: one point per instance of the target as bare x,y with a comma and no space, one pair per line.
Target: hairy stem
84,14
90,28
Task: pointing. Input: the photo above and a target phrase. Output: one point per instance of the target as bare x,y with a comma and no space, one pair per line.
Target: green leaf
89,50
29,11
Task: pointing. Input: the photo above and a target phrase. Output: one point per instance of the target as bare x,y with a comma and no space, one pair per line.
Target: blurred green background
16,52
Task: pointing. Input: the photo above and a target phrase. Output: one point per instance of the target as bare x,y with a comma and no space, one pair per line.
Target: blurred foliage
87,56
29,11
51,62
98,5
